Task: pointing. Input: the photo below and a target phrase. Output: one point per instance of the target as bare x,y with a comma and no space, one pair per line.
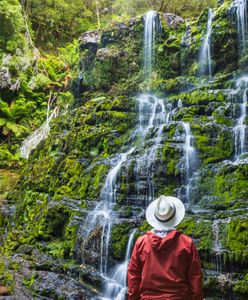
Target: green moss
61,249
170,156
242,285
6,277
231,184
29,281
187,226
213,143
143,229
238,236
94,189
119,240
14,266
199,230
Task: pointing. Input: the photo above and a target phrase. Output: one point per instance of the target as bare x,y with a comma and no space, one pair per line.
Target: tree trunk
98,14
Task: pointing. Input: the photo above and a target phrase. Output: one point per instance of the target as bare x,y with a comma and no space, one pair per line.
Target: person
165,263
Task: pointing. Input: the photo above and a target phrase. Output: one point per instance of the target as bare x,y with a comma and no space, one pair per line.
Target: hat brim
177,218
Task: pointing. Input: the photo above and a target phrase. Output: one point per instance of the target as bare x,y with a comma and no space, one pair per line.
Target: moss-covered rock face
62,180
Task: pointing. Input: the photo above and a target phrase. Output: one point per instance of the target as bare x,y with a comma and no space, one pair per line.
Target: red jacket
165,268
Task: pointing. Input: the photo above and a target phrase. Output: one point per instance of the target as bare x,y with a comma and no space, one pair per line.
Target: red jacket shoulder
186,238
141,242
186,241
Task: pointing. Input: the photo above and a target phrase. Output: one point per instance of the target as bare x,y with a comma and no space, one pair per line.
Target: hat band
167,220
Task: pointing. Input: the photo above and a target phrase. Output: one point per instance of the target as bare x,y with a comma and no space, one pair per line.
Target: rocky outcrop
173,20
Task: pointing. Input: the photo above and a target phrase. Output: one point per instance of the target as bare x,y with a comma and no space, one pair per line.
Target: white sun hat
165,212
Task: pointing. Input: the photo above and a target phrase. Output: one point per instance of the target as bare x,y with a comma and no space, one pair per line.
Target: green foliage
23,111
143,228
242,285
238,236
119,240
28,281
12,26
8,180
6,277
60,249
231,183
220,147
201,231
55,23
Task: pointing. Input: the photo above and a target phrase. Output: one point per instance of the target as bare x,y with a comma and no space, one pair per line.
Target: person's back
166,267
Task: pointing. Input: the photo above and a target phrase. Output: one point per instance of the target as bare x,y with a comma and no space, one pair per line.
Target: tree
11,26
56,22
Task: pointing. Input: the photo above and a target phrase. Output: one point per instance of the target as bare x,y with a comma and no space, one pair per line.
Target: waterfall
189,163
152,118
116,287
152,114
217,247
240,127
205,49
241,15
188,148
103,214
152,25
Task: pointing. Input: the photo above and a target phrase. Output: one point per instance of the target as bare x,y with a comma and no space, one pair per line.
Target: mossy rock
119,240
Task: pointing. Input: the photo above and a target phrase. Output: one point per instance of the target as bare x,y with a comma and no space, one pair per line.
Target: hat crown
165,212
165,209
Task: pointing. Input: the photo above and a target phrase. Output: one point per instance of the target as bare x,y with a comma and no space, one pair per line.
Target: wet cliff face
195,149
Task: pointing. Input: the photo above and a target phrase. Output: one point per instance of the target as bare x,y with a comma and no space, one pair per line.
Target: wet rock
47,278
173,20
54,286
90,39
186,40
5,77
105,53
90,275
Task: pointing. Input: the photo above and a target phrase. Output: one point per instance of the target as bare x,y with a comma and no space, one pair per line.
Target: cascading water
189,164
205,49
116,287
152,26
103,214
242,27
217,247
240,128
188,148
152,117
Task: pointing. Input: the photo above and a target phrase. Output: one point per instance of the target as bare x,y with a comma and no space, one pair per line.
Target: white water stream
116,287
152,118
152,26
240,127
103,213
205,59
242,28
189,160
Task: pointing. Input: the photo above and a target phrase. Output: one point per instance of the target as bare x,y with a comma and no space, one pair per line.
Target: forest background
55,22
